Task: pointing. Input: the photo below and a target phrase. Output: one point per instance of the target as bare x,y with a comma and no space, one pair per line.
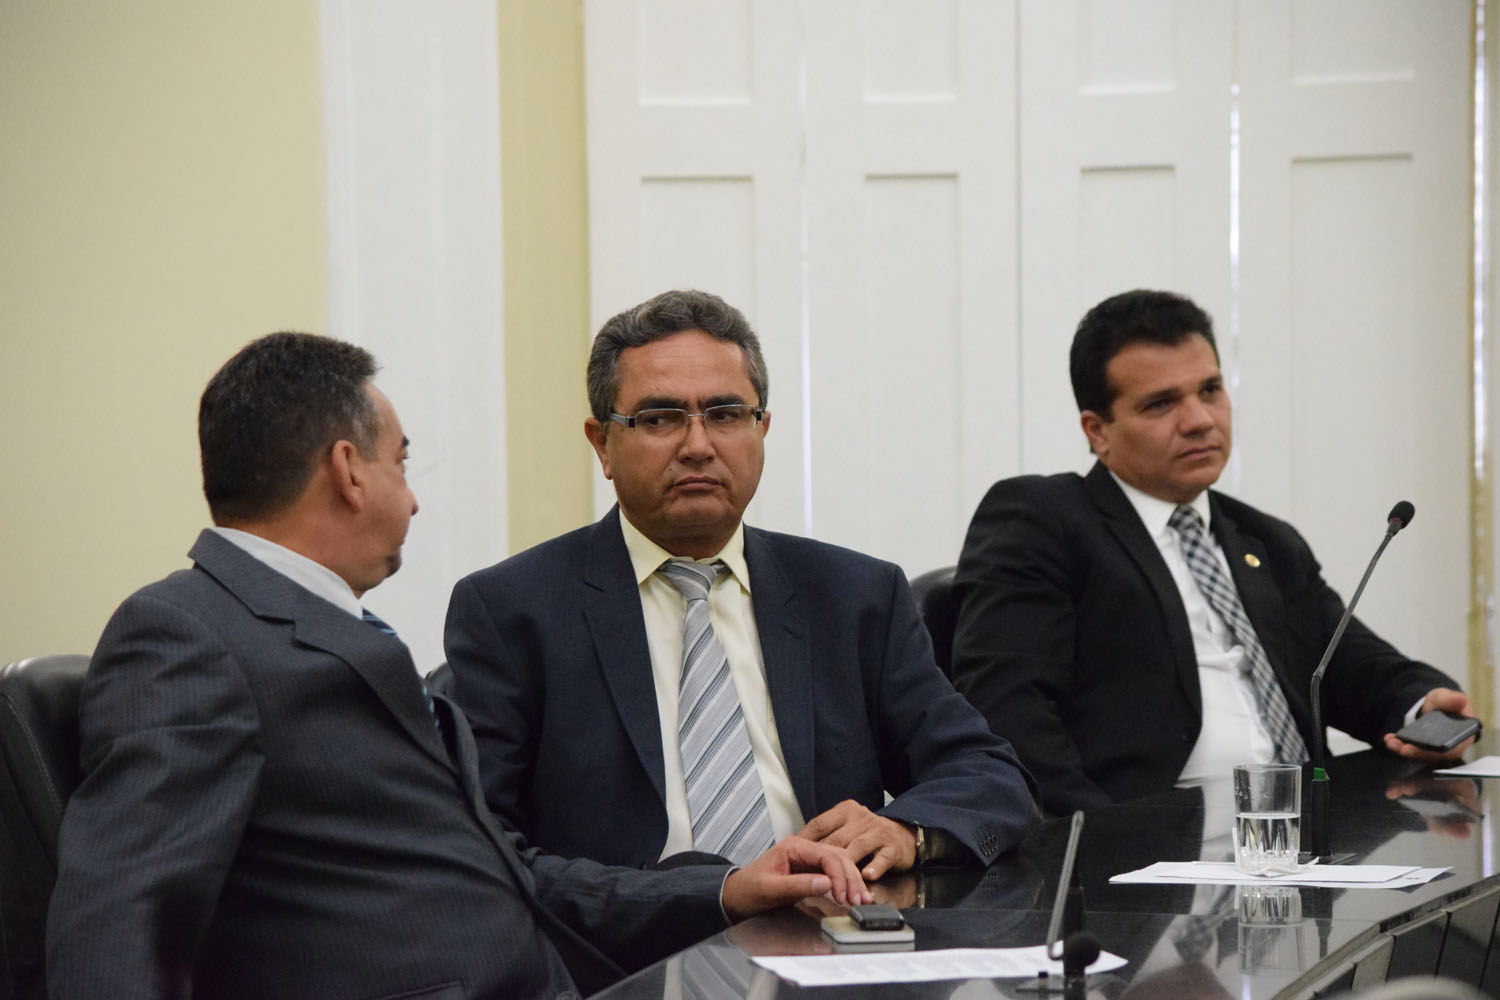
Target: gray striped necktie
1221,595
726,804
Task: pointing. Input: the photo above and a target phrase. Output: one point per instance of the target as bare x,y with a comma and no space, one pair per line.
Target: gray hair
660,317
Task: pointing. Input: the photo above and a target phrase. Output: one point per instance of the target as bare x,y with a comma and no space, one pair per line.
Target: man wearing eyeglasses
669,682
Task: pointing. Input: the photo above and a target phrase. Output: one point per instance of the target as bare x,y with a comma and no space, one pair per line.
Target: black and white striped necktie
1218,589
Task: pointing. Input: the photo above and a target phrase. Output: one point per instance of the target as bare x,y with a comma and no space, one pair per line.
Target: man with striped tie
1131,630
671,682
271,807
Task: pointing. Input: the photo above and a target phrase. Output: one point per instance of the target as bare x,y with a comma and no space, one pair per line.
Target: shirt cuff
1411,714
724,913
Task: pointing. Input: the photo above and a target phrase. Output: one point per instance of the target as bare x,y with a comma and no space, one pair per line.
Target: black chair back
934,593
38,771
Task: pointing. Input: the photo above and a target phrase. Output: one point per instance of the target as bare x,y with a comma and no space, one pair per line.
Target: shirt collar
304,572
1155,513
646,556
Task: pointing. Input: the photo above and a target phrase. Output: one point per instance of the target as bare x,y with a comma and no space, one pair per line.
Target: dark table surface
1179,941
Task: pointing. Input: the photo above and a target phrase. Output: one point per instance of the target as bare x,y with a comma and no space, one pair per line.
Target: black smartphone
1439,731
876,917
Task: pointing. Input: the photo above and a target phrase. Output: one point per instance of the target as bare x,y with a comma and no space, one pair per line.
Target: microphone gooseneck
1066,938
1399,517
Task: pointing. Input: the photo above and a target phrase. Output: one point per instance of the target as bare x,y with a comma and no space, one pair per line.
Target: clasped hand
884,845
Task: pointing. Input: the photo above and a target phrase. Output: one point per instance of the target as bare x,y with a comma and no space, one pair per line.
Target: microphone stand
1066,937
1321,788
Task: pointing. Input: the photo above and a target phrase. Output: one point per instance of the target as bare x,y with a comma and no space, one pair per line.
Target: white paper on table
1328,876
1484,767
921,966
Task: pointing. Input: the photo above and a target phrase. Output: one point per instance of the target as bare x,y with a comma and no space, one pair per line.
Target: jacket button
1187,734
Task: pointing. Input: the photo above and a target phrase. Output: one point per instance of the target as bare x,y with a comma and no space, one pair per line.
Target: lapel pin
1251,560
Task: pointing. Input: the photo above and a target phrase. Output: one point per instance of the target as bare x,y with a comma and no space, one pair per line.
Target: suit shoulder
1029,503
1031,488
564,550
798,551
1253,520
188,590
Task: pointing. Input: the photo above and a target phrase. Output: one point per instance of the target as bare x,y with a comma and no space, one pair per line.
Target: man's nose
696,441
1197,416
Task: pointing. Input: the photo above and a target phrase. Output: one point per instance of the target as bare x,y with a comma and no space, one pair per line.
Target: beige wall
544,181
160,204
161,200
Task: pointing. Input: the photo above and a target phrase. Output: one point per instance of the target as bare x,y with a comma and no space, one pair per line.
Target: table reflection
1179,940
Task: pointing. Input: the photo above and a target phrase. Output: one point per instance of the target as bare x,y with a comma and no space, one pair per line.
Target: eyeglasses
725,419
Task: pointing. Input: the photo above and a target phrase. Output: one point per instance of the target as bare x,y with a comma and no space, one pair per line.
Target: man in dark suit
270,804
1131,629
587,665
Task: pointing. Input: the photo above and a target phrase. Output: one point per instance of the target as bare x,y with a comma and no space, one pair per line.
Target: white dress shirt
1232,731
313,576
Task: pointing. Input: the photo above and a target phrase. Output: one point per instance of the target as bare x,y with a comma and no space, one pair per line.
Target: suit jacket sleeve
1014,644
941,764
502,698
634,916
1369,685
170,768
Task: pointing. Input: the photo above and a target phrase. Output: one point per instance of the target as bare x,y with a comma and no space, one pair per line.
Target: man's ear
346,469
595,432
1093,429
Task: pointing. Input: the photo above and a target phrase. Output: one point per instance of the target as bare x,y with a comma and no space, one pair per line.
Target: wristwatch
934,844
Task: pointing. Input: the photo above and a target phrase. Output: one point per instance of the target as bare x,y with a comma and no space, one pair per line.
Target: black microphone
1080,950
1399,517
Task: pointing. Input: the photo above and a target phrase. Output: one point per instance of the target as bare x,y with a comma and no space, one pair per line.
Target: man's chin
701,510
392,563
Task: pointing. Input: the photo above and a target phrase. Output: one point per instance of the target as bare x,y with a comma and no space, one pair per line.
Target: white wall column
412,127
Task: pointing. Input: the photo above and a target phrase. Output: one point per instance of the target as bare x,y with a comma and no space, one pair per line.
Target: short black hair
1129,318
660,317
273,408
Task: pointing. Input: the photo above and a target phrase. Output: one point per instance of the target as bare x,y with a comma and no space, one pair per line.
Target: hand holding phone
1439,731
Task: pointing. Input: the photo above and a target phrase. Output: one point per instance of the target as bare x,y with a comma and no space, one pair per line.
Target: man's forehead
385,411
1147,368
689,365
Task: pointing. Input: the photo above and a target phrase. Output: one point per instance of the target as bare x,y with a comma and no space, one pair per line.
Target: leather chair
938,604
439,680
38,771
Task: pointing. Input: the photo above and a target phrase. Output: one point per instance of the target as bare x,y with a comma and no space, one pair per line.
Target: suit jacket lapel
618,630
1123,522
382,661
786,650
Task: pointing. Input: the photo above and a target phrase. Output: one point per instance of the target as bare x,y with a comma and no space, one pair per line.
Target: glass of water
1267,817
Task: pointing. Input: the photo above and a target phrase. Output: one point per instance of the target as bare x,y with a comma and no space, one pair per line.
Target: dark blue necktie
380,623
